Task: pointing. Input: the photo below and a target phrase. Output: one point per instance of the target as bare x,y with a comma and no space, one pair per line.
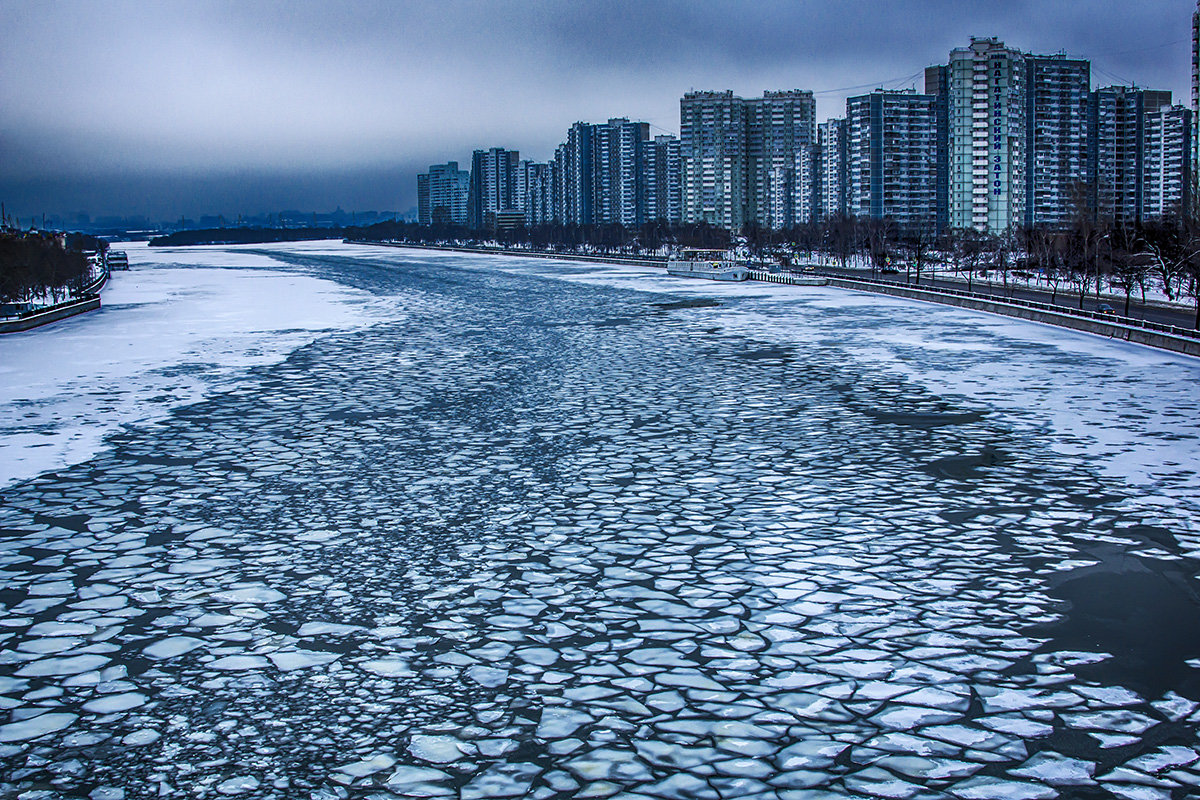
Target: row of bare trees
608,238
36,265
1086,256
1130,258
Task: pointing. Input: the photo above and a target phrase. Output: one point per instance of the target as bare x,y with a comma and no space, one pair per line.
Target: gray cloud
233,97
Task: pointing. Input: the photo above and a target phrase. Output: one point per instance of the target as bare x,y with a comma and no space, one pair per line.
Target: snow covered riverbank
180,322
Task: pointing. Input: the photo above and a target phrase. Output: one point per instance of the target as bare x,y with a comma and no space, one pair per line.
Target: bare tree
970,247
1128,266
879,236
919,242
841,237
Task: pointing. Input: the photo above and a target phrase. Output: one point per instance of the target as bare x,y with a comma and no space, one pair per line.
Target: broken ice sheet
499,546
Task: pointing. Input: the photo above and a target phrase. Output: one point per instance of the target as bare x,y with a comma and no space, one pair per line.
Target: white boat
117,259
713,265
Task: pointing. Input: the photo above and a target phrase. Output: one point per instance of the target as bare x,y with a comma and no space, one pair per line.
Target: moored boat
713,265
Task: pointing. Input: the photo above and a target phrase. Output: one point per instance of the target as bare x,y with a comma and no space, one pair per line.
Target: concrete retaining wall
1110,330
52,315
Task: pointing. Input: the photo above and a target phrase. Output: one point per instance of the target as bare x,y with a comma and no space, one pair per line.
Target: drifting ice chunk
327,628
33,728
985,788
316,536
113,703
300,659
488,676
172,646
62,629
406,779
1057,770
389,667
368,766
501,780
234,663
238,785
138,738
71,665
250,594
559,723
608,764
436,749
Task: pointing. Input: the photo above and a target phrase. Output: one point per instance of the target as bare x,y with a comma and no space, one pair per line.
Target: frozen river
325,521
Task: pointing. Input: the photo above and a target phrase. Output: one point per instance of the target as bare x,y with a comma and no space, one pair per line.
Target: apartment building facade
892,158
442,195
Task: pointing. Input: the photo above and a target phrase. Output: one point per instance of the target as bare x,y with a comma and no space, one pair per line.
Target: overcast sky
167,108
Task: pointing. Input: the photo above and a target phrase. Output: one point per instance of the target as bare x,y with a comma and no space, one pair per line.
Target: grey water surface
546,539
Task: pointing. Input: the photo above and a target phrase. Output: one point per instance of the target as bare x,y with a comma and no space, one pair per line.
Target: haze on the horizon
206,107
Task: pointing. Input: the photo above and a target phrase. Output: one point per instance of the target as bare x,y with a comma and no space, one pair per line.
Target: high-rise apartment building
740,156
1117,150
661,198
892,163
616,171
830,168
805,180
1196,87
1167,165
1016,137
937,82
423,216
600,174
712,132
442,195
558,184
532,192
576,166
1056,139
986,112
493,178
781,128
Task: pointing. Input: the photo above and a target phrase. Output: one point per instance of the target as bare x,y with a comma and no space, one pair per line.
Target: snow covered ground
180,322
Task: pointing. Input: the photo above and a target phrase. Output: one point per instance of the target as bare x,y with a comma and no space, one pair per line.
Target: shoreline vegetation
42,269
204,236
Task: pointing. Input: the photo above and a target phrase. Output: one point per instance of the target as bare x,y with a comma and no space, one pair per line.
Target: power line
1148,48
873,84
1120,79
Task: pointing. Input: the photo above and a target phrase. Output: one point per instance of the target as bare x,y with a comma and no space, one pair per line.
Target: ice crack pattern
544,539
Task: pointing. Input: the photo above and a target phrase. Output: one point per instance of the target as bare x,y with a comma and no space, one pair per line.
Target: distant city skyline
222,108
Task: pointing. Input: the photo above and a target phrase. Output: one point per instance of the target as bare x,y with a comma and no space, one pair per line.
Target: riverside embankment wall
89,302
49,315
